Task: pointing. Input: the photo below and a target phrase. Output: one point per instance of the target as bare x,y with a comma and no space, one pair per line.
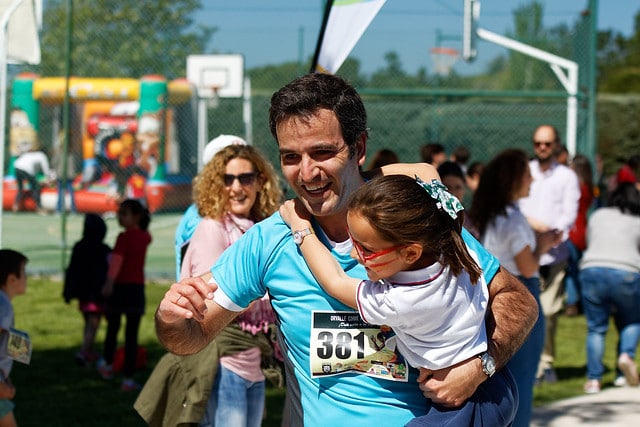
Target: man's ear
361,148
412,253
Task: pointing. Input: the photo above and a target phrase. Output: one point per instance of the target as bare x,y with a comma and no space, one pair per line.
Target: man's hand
187,319
451,387
186,300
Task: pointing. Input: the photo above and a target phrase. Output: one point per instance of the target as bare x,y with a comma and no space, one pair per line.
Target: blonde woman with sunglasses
236,189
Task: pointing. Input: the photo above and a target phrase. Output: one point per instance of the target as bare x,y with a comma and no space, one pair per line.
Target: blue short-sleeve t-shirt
266,259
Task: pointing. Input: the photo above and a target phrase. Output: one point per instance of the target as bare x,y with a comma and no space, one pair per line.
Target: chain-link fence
133,119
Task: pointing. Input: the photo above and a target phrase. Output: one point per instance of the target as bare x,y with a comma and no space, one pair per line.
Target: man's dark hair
304,96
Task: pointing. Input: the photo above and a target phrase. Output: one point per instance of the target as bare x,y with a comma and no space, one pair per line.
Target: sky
272,32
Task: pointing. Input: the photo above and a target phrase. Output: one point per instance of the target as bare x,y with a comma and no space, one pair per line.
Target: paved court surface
613,406
40,238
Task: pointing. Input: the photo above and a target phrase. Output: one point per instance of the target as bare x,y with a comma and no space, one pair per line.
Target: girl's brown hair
402,212
209,191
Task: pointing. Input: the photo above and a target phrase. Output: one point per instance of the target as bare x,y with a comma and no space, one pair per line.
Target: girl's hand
107,288
547,240
295,215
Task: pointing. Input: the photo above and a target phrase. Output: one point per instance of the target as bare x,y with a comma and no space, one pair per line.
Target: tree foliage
619,61
525,72
132,39
122,38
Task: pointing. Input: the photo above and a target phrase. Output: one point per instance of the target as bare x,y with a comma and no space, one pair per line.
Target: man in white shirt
552,205
27,167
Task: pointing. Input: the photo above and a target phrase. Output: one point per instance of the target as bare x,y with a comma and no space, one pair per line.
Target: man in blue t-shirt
319,122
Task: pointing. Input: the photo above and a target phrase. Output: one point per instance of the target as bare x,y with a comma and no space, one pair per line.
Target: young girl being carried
423,283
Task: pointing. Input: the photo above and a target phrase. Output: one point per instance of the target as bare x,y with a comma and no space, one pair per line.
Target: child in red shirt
124,289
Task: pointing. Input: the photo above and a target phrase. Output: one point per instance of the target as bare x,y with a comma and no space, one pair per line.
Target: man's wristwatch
299,235
488,364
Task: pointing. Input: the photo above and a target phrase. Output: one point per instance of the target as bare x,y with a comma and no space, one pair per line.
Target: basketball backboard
470,16
216,75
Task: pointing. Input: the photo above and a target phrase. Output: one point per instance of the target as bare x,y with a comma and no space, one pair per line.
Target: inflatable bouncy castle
129,138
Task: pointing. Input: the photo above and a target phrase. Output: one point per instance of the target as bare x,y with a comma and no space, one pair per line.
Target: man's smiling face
315,162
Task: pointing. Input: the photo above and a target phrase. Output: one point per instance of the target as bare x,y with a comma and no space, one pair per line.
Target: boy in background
13,282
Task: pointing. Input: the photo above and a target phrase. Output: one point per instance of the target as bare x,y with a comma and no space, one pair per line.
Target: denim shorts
6,406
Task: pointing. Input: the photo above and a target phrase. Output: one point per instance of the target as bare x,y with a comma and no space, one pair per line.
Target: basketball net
213,98
443,59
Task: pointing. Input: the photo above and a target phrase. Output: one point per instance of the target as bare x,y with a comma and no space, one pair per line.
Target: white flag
347,22
23,43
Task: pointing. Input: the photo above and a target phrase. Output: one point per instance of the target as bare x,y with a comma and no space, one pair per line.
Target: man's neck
334,226
545,164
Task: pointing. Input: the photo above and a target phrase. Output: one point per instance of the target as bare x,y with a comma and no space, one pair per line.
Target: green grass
571,361
53,391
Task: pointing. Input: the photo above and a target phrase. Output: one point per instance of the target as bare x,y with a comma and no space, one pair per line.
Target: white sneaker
628,367
620,381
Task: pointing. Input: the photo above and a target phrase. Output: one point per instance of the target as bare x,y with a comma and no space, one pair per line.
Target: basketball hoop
443,59
213,98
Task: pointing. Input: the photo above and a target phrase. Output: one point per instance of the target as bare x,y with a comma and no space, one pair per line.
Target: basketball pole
4,22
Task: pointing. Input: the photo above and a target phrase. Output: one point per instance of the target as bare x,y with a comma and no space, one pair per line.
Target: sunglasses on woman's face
243,178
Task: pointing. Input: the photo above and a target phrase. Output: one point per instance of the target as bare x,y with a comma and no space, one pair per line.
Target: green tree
619,61
524,71
123,39
269,78
393,75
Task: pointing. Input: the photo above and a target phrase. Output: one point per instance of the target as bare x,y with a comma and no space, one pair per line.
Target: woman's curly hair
209,191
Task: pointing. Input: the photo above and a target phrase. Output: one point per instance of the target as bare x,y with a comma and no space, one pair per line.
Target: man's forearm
512,314
189,336
180,338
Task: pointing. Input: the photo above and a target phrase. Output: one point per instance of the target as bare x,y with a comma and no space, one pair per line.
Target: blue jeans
494,403
22,176
524,364
234,401
572,279
604,289
61,194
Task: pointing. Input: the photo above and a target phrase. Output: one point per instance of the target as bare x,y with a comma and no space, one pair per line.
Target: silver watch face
488,364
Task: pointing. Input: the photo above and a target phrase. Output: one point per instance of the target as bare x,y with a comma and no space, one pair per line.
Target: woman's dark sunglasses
243,178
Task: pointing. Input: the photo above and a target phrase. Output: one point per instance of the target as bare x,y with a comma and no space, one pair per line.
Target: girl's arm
425,171
322,264
115,263
527,260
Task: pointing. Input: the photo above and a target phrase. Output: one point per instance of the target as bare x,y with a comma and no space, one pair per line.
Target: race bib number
342,342
19,346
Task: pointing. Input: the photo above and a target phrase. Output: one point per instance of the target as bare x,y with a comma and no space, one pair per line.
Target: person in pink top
236,188
124,289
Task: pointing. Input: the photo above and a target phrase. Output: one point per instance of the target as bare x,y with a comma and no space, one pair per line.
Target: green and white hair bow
445,201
